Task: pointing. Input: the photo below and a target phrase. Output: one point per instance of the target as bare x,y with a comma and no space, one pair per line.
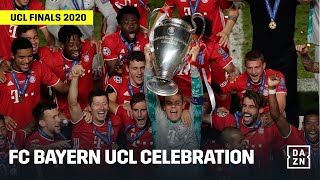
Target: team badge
117,79
224,83
171,31
282,84
261,131
223,53
222,114
136,48
106,51
32,79
204,1
86,58
265,92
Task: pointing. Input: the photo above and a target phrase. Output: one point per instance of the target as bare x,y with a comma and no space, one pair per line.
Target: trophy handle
157,22
198,15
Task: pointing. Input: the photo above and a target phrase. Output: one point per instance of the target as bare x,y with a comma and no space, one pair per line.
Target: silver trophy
170,38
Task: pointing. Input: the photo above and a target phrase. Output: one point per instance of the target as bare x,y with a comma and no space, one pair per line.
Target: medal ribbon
137,136
65,68
310,21
313,158
131,92
254,128
194,8
107,139
24,7
128,45
261,88
76,5
25,85
272,12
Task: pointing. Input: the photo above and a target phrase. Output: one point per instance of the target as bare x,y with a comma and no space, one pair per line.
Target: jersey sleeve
47,76
169,3
225,4
220,122
295,137
115,82
108,49
33,140
122,113
219,55
281,87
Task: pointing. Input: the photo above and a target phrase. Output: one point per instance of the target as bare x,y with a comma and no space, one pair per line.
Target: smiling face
173,107
72,47
140,113
3,134
51,122
311,128
255,70
23,60
136,71
33,37
130,27
99,108
250,112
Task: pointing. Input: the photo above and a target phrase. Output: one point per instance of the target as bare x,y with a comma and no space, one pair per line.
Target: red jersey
121,88
262,140
83,134
241,84
37,139
10,105
213,54
212,9
144,141
8,32
15,140
114,48
61,66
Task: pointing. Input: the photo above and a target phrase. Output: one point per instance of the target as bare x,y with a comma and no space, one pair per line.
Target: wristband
272,91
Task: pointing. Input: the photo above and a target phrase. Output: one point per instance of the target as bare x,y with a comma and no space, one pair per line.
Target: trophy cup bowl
171,42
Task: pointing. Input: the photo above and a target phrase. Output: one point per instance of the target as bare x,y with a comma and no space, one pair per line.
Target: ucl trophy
170,38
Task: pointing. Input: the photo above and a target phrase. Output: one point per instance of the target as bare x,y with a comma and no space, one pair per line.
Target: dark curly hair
258,99
127,10
66,32
135,56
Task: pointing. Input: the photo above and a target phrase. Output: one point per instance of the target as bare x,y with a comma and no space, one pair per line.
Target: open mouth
313,134
76,53
25,66
132,35
101,114
141,122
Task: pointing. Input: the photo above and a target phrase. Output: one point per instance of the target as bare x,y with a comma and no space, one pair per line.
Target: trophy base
162,87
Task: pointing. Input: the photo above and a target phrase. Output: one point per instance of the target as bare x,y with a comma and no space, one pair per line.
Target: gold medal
21,99
272,25
115,146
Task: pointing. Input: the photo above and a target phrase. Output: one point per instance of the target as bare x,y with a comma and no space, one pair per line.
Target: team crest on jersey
222,114
32,79
282,84
106,51
223,53
117,79
261,131
224,83
86,58
171,31
136,48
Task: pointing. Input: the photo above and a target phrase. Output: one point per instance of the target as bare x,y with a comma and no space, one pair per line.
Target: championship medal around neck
21,99
272,25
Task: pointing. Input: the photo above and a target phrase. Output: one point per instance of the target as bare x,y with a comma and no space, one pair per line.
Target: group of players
44,88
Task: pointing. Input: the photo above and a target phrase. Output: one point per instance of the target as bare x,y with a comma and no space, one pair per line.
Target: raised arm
280,121
74,106
233,14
